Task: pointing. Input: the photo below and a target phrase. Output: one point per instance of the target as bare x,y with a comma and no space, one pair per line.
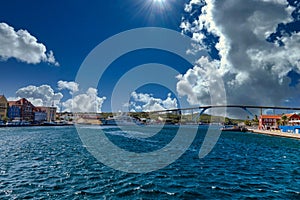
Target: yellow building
3,106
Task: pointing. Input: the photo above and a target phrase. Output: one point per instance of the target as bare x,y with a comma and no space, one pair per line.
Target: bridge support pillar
200,113
248,111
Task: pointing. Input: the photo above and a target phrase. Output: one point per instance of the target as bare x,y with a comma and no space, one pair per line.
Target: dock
275,133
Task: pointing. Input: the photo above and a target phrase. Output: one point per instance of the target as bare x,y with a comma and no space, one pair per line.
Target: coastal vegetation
176,118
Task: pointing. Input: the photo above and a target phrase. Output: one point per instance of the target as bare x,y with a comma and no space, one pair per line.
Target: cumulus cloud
189,6
197,82
35,102
22,46
253,68
42,95
45,95
71,86
146,102
87,102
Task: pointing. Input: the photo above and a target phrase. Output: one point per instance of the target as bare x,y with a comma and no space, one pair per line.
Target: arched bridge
246,108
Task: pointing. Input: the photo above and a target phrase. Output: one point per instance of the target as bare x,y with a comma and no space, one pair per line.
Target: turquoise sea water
53,163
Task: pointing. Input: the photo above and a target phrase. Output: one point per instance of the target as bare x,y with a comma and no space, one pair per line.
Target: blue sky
71,29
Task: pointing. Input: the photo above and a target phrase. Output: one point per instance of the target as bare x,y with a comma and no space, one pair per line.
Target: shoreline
275,133
34,125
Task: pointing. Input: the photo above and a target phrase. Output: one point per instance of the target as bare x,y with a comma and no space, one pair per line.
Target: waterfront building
50,111
293,119
269,122
65,116
290,129
87,118
39,115
3,107
14,111
26,109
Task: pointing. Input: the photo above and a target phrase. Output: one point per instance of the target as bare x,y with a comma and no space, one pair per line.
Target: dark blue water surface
53,163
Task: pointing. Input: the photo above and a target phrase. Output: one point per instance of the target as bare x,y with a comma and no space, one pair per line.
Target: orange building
268,121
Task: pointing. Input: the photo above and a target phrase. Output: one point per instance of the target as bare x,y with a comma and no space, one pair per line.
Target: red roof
20,102
12,103
270,117
292,115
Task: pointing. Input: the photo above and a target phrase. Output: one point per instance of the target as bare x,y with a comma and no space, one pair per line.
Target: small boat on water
121,120
56,124
234,128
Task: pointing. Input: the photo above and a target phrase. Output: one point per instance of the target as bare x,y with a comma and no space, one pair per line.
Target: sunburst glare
154,9
158,1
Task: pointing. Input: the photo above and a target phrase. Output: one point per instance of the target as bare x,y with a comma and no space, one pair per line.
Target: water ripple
52,163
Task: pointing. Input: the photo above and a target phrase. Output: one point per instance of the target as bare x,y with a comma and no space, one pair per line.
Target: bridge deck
228,106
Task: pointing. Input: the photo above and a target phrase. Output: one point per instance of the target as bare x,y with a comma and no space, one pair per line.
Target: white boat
235,129
122,120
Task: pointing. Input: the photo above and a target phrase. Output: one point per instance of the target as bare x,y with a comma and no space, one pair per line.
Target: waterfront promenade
275,133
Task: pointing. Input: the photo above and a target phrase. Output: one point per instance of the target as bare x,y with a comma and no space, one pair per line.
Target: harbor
153,99
39,162
23,113
277,133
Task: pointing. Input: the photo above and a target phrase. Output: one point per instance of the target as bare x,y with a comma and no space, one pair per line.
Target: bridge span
244,107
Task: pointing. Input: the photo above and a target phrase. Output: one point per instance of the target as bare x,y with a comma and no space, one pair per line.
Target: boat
122,120
56,124
234,128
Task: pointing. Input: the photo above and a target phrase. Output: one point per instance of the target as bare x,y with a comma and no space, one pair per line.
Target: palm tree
284,119
255,120
278,122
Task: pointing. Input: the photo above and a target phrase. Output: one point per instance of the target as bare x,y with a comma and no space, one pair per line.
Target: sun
158,1
162,4
155,9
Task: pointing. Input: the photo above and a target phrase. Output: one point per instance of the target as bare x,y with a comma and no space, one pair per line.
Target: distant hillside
177,118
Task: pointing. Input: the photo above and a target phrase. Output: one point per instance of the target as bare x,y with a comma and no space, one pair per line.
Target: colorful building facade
293,119
3,107
50,111
26,109
39,115
14,111
269,121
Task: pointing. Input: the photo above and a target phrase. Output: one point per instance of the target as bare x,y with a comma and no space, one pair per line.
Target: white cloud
146,102
195,82
35,102
189,6
22,46
71,86
42,95
87,102
254,70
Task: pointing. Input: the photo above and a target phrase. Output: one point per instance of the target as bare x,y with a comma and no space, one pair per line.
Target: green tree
284,120
5,119
255,119
279,122
247,121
